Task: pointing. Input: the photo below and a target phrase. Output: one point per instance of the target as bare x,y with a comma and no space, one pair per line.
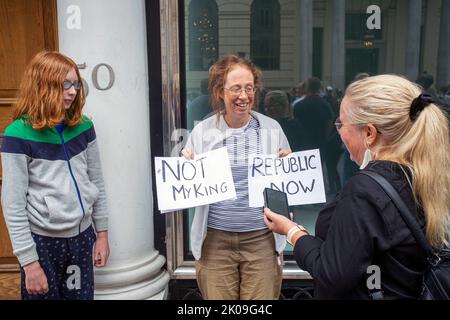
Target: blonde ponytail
422,144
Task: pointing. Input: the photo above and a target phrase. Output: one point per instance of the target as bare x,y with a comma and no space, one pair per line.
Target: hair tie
418,104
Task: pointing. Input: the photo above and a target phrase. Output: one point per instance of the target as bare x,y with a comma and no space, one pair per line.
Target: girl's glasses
68,84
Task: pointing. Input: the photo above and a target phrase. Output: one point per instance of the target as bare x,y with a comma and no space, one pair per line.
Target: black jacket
359,228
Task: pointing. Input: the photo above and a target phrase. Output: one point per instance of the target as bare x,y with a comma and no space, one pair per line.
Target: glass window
317,50
203,34
265,34
268,32
353,30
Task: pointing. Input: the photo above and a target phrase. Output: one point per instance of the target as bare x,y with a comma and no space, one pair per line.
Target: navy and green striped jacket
52,184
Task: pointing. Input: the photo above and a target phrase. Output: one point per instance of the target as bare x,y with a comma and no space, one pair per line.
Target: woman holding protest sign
237,257
363,248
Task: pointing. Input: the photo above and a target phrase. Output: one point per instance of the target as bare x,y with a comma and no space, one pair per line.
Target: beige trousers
239,266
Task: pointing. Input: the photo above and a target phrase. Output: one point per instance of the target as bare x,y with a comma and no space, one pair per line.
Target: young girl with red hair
53,194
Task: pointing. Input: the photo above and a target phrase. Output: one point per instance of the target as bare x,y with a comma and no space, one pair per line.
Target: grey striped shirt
236,215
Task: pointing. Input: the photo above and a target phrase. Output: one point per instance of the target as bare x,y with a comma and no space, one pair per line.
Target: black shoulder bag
436,277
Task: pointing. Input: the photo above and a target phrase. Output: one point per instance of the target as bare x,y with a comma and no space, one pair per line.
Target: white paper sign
298,174
182,183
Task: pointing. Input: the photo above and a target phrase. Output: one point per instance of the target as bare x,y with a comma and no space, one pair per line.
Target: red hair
218,73
41,92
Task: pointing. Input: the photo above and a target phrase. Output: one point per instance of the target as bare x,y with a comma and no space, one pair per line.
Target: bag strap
403,209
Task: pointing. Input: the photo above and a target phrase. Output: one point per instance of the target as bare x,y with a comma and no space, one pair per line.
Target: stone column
443,65
305,40
121,118
338,45
413,39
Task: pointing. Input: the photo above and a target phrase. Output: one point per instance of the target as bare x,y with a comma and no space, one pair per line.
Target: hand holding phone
277,202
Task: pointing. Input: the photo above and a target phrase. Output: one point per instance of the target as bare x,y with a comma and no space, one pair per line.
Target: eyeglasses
236,91
68,84
338,124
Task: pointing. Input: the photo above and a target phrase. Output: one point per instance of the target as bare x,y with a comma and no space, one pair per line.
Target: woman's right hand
35,278
188,154
277,222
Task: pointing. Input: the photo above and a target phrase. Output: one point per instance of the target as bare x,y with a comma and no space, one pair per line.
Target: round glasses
236,91
68,84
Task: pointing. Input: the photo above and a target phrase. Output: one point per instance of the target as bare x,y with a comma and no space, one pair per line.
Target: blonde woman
389,127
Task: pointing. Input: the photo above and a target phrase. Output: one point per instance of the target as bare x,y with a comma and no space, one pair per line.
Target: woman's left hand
283,152
277,222
101,249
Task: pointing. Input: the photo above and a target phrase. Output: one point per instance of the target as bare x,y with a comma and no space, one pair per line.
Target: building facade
143,62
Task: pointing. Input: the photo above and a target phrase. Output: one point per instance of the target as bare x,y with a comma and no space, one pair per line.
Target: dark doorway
360,60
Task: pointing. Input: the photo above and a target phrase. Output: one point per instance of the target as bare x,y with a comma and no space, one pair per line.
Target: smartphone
276,201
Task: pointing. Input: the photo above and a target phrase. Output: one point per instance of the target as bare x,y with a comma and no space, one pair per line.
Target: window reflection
265,34
203,34
340,47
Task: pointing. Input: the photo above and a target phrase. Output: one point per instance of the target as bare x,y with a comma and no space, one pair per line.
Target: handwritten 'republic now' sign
182,183
298,174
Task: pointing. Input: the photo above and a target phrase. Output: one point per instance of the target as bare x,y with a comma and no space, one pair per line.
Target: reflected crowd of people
307,113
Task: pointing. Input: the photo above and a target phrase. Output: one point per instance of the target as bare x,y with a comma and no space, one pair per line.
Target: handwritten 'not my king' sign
298,174
182,183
